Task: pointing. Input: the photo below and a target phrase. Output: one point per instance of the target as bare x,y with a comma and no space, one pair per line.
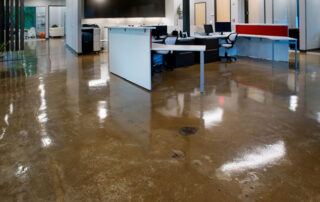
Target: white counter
129,54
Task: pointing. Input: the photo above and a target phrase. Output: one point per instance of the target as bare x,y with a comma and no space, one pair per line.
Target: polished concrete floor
71,131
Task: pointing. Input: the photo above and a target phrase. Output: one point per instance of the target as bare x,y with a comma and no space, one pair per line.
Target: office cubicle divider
263,29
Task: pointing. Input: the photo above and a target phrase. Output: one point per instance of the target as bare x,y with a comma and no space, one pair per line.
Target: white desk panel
162,47
129,54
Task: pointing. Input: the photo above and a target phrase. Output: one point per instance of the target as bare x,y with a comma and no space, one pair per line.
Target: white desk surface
217,36
277,38
162,47
179,39
127,27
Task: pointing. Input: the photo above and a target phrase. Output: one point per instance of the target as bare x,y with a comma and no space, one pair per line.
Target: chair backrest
232,38
175,33
170,40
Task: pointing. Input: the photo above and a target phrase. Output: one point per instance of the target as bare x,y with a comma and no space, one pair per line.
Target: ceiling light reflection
6,119
318,119
11,108
97,83
213,118
3,133
46,141
102,110
104,78
261,156
293,103
22,170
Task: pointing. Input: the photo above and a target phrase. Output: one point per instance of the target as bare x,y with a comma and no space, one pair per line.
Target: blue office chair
162,64
230,41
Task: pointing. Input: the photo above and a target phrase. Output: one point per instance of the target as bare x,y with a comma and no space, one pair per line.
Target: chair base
229,58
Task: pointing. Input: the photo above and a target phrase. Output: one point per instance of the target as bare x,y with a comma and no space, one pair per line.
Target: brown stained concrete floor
71,131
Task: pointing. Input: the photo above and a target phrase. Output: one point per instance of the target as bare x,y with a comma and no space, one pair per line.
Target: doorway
57,18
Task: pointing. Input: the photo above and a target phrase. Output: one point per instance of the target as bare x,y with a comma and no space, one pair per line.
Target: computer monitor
163,30
159,31
208,29
223,27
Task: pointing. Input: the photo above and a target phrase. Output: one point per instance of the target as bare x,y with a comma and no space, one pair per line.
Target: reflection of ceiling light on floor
261,156
11,108
318,117
97,83
46,141
213,118
3,133
22,170
293,103
6,119
43,117
102,110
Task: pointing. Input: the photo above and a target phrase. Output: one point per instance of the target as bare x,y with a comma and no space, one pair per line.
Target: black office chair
175,33
230,41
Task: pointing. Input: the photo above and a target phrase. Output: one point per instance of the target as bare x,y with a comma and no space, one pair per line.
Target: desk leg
296,55
272,53
202,71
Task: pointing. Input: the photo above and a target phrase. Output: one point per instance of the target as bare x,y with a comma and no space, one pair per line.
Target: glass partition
285,12
256,11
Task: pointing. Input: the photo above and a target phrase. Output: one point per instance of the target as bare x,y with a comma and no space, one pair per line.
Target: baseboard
72,50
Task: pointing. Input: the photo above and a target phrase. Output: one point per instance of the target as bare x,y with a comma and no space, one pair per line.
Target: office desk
212,43
195,48
258,45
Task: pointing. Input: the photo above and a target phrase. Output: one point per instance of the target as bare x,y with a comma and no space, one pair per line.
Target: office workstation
270,42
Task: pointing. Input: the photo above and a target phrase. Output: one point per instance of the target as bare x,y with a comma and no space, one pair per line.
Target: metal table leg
272,53
202,71
296,55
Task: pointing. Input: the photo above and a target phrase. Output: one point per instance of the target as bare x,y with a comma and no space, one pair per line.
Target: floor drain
187,131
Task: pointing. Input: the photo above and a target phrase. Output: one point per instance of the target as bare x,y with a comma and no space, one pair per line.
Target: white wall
171,20
256,11
303,28
56,16
313,24
269,11
285,12
73,24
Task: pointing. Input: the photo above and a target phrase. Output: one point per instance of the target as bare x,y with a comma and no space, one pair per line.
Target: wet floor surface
71,131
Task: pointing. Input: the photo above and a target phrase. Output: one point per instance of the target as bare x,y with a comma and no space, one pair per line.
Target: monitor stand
221,33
